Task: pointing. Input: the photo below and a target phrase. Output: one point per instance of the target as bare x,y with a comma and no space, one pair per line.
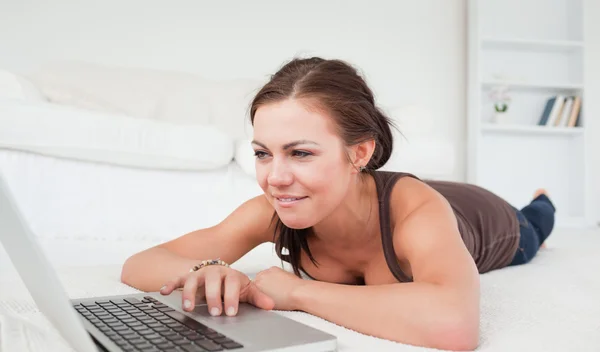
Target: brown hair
335,87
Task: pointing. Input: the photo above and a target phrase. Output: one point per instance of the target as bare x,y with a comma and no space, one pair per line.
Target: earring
362,168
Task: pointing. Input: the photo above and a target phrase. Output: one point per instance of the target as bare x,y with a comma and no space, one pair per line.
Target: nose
279,174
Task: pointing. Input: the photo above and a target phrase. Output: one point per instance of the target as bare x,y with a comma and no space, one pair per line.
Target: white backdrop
411,52
592,79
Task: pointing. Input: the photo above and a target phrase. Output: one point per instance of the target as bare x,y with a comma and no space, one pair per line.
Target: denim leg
529,242
536,221
540,213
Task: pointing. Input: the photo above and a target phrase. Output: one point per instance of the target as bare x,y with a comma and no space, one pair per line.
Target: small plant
500,97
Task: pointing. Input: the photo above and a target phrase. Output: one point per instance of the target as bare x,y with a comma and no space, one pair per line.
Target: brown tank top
487,223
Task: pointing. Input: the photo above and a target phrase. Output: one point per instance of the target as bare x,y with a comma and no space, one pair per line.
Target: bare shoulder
420,217
426,236
409,195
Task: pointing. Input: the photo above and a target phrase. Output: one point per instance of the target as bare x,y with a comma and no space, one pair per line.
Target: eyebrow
288,145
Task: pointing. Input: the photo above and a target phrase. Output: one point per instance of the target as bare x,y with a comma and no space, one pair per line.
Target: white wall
592,82
412,52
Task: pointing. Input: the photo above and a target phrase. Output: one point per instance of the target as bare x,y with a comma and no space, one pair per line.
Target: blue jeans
536,222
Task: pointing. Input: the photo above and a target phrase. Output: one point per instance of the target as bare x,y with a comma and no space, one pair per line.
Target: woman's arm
440,309
245,228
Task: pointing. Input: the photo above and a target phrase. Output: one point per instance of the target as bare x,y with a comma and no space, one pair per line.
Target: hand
208,282
280,286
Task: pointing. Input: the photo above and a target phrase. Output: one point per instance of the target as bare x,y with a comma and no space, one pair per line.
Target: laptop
144,321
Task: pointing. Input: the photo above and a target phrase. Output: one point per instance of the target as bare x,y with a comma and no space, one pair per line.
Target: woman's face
301,163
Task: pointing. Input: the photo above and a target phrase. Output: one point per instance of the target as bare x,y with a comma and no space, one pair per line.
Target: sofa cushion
117,139
177,97
133,91
244,156
16,87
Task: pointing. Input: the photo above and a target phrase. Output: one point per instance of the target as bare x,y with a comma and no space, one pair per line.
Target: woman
404,253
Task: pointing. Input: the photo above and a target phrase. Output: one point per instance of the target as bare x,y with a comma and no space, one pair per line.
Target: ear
361,153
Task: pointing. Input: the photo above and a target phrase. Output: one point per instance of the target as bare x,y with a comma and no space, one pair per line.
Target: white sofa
96,154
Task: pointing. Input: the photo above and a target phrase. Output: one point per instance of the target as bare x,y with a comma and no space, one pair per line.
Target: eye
301,154
260,154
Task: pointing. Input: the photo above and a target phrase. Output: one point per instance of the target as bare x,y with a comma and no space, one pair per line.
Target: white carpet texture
551,304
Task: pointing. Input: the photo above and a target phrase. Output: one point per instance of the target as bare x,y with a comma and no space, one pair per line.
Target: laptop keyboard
148,325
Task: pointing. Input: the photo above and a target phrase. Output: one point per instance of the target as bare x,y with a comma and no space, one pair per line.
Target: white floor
548,305
574,237
67,253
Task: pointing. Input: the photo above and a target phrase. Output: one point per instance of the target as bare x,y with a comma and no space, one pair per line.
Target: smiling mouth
288,200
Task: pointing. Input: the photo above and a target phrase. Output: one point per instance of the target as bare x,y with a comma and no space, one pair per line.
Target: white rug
552,304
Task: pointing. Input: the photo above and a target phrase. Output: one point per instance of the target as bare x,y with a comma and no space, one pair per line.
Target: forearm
151,269
412,313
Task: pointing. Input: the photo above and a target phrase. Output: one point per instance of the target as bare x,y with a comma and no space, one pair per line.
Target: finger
231,297
259,299
212,287
172,285
188,296
200,299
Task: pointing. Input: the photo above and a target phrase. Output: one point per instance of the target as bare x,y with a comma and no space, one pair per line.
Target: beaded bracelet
207,263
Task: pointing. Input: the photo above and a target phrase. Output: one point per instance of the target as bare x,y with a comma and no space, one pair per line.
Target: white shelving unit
532,45
489,128
560,86
534,48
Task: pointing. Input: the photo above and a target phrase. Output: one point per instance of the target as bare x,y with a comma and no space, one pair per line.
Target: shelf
524,44
536,55
525,129
533,85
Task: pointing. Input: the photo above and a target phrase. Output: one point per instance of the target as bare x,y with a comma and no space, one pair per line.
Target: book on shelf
561,111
